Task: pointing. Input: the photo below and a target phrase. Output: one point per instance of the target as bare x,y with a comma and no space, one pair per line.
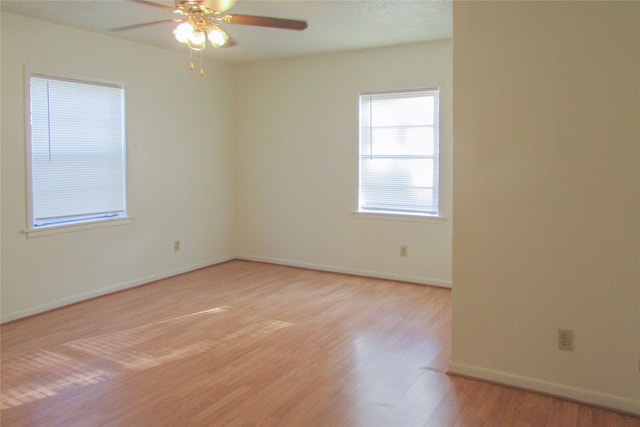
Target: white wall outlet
176,245
403,250
565,339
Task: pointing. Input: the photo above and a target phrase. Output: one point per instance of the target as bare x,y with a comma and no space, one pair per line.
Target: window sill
399,217
70,228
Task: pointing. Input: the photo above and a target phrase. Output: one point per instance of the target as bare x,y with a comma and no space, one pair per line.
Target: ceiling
334,25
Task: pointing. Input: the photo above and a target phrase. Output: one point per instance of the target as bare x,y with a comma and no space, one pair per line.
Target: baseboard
108,289
590,397
347,270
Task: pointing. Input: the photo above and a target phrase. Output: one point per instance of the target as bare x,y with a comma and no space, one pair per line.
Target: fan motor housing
213,5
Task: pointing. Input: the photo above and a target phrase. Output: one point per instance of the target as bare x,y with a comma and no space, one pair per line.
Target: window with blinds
399,133
76,151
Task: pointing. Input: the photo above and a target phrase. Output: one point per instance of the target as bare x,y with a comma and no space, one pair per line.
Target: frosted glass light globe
183,32
197,40
217,36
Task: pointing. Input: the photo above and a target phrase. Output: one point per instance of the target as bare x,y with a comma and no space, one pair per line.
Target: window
399,154
76,152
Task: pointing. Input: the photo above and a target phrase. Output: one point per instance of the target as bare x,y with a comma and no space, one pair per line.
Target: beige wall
180,169
546,196
297,166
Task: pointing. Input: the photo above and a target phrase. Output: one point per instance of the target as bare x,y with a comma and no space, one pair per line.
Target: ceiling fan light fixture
198,23
183,32
217,36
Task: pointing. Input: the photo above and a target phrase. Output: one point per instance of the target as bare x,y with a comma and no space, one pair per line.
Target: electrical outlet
565,339
403,250
176,245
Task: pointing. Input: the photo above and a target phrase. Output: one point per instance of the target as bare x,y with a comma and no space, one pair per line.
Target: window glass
399,135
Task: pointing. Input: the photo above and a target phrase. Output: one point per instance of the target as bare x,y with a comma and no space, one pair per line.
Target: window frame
405,215
78,222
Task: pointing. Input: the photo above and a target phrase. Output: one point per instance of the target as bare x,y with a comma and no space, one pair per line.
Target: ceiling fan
199,20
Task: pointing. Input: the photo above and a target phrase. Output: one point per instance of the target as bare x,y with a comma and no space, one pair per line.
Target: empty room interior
250,276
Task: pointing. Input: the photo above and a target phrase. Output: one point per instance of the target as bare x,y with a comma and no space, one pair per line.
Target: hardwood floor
250,344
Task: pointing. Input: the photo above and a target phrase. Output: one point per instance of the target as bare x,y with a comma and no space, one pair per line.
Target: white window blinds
77,151
399,133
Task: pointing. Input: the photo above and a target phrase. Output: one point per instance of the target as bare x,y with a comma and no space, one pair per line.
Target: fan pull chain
192,67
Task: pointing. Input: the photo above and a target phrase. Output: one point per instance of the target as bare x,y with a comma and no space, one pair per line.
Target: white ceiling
334,25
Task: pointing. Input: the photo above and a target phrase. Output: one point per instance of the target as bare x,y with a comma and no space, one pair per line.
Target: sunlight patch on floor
50,373
40,374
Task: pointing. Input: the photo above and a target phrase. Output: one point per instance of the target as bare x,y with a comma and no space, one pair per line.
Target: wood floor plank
252,344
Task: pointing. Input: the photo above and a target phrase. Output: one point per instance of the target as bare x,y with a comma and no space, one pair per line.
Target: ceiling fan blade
152,4
264,21
146,24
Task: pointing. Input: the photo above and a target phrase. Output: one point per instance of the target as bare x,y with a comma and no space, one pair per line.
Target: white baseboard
107,290
347,270
591,397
